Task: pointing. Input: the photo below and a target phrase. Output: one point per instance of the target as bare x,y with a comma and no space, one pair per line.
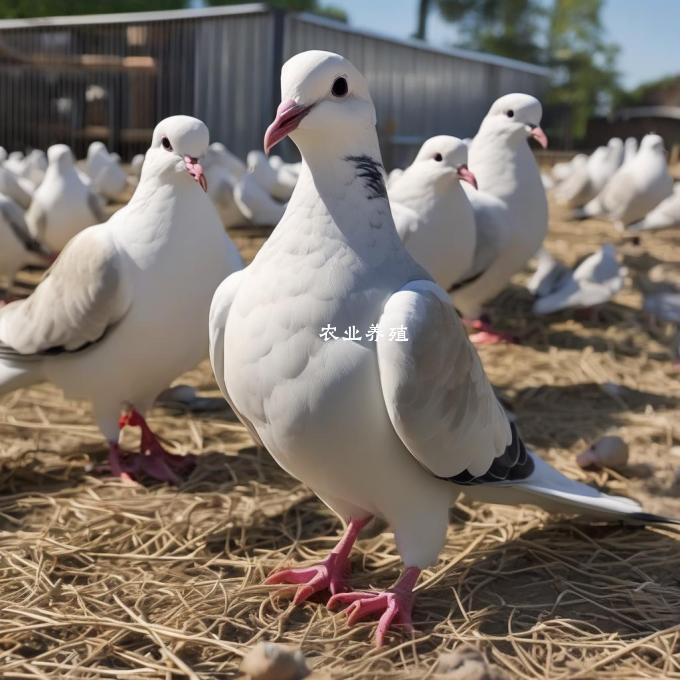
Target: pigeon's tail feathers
549,489
17,371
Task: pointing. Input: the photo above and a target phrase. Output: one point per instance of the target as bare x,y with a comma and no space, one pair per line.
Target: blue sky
646,31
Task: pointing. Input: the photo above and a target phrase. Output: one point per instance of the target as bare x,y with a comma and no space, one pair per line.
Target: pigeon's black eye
166,144
509,113
438,157
340,87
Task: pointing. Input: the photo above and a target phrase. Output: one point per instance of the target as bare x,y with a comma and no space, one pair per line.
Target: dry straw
99,579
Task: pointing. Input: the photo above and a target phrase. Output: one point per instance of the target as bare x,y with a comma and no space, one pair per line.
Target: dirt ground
99,579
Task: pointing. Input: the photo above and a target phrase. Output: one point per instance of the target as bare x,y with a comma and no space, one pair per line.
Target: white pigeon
666,215
235,166
549,274
394,175
511,209
587,180
595,281
15,162
62,205
3,154
602,165
35,165
108,177
637,187
278,163
439,227
279,183
11,186
124,309
612,164
17,247
255,203
136,165
630,148
221,185
664,306
562,169
376,426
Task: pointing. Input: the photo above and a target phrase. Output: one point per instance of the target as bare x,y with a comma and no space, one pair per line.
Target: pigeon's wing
571,294
437,395
80,298
219,313
14,216
490,222
620,193
406,221
95,204
36,218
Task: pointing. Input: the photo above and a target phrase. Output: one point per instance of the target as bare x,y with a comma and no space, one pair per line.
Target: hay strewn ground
99,579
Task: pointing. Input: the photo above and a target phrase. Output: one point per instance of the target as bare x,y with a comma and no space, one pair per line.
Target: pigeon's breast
297,348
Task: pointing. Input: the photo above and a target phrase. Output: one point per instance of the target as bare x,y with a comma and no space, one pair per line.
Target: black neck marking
371,172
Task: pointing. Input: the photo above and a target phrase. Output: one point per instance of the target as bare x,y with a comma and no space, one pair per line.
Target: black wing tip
651,518
514,464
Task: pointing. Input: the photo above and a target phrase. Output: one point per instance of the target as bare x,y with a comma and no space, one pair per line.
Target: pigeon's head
517,116
177,144
95,149
653,143
446,157
61,156
322,96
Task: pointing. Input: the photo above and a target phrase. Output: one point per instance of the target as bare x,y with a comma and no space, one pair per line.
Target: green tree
511,28
585,79
566,35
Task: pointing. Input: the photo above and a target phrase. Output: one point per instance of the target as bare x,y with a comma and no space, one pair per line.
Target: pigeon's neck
503,167
345,180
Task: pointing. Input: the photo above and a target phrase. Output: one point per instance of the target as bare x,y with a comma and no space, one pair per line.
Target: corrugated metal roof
469,55
135,17
225,10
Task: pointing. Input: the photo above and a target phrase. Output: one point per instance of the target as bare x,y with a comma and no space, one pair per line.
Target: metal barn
112,77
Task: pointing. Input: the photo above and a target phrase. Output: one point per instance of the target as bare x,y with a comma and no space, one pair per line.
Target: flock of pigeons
633,188
389,425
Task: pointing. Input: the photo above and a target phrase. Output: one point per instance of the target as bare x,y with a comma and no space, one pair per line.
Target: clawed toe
311,580
394,605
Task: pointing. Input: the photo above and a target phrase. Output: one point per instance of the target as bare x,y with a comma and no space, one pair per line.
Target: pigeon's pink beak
540,136
465,174
195,169
288,117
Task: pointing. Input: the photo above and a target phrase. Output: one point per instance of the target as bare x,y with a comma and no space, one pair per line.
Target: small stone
610,452
466,663
271,661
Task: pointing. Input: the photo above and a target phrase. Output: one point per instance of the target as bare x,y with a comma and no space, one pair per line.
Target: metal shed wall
113,77
419,91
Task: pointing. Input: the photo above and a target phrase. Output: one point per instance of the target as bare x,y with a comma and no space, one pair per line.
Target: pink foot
154,461
394,605
486,335
329,575
122,465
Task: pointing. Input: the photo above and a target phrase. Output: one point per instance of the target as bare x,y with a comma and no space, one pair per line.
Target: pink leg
486,335
120,467
395,603
329,575
156,462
